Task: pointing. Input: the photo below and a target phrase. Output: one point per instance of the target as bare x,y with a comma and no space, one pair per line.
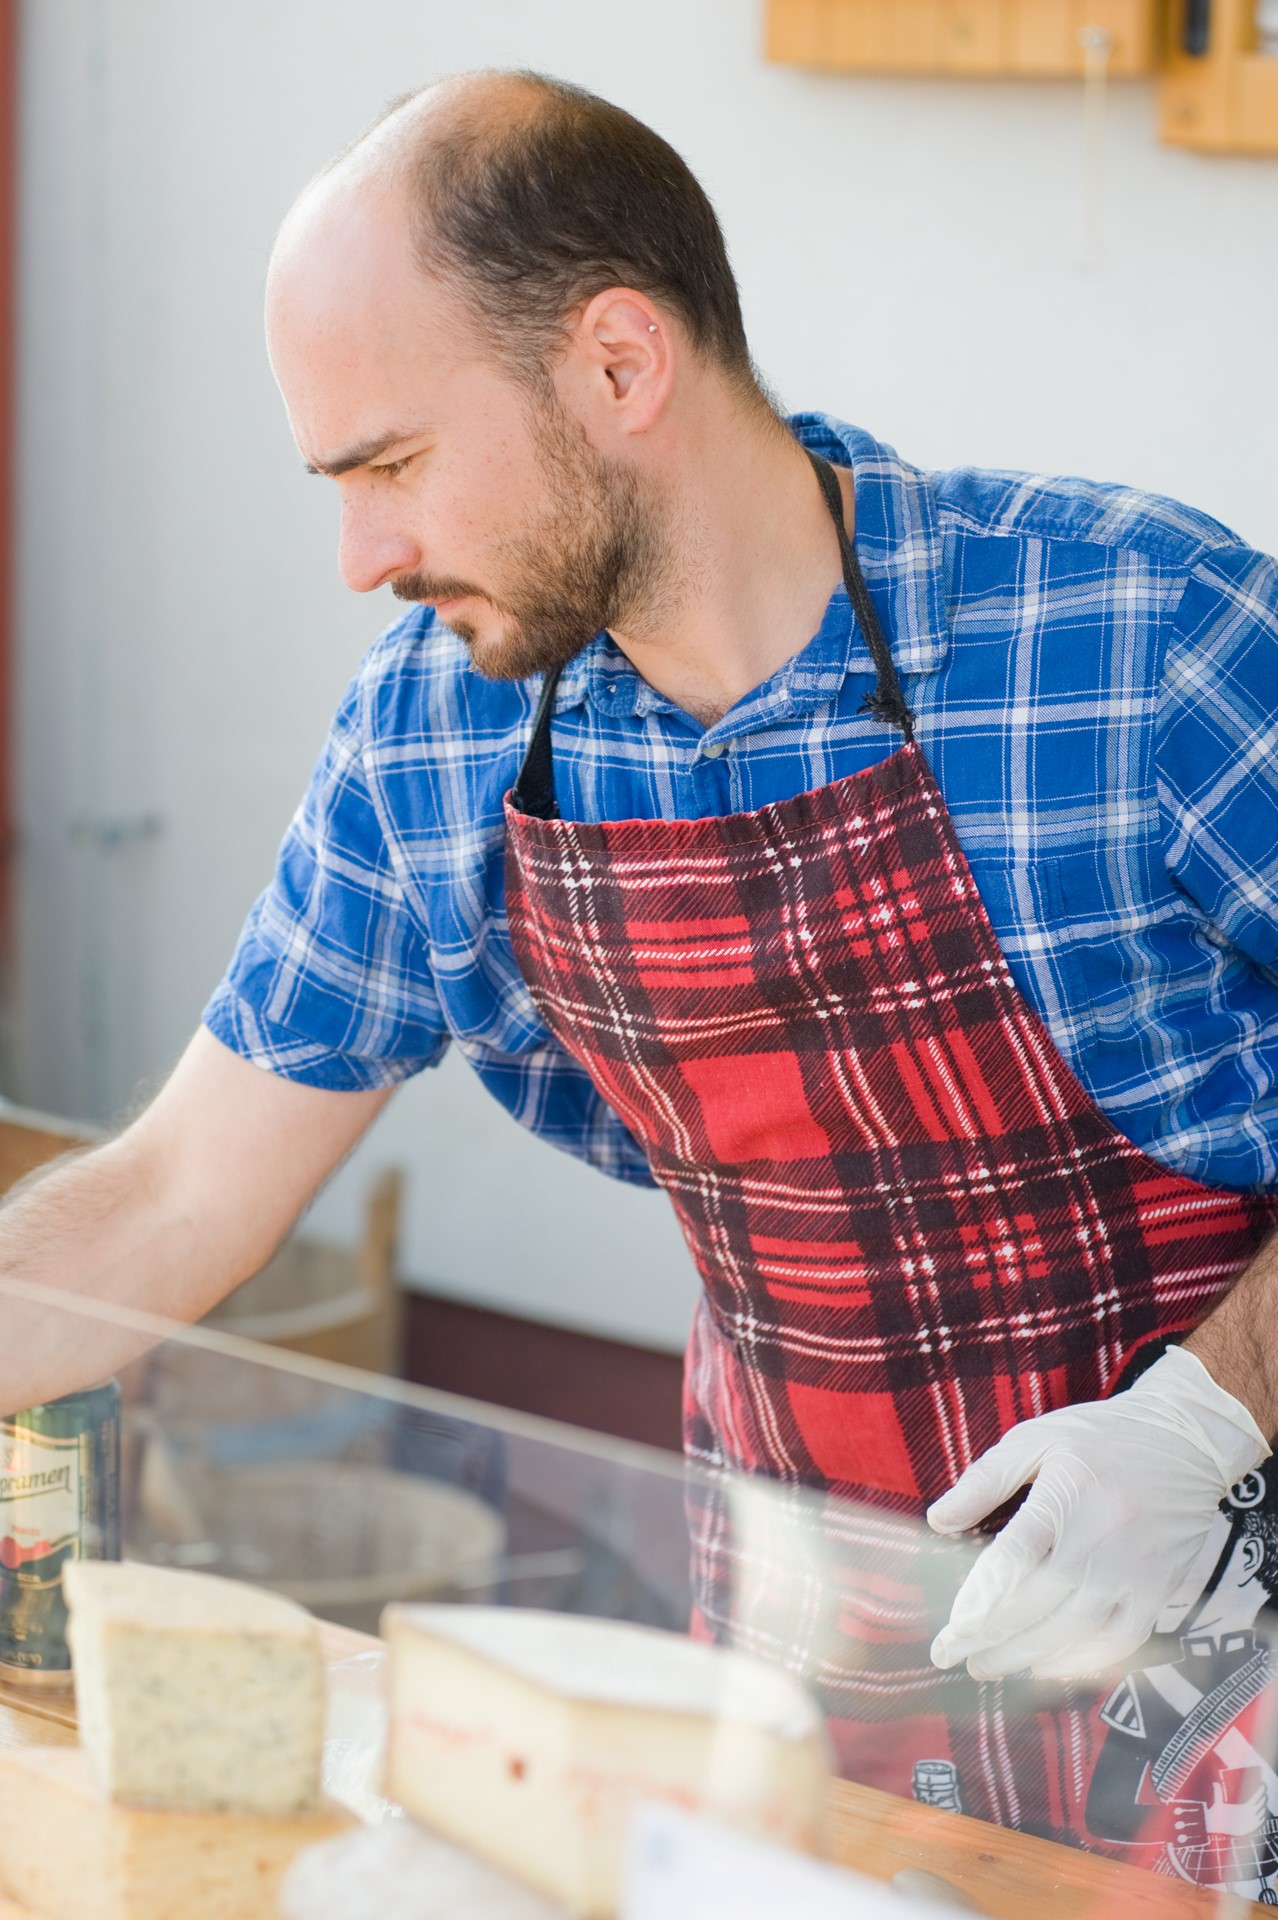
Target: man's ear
628,350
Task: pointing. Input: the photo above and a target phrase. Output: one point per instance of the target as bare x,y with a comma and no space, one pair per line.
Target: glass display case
1152,1788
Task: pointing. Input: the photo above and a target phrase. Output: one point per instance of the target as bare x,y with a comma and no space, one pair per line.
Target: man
665,801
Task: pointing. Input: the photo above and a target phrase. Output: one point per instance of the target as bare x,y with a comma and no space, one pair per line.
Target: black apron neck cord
886,702
533,793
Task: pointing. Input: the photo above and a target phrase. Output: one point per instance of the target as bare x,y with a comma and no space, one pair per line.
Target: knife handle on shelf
1195,35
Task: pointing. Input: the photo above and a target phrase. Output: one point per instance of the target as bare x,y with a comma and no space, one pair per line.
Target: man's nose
371,552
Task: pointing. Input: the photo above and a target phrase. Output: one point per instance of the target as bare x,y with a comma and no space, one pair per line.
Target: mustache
426,587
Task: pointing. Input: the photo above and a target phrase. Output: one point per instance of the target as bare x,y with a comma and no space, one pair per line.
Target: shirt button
716,750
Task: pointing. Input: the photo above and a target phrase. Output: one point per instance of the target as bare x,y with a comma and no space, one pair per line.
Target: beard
594,555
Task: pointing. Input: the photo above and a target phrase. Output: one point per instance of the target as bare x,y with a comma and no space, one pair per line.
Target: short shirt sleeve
331,982
1218,749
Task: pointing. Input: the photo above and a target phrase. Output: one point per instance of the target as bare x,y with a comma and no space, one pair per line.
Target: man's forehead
343,238
358,334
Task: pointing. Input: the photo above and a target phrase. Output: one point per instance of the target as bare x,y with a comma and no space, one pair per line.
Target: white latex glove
1125,1492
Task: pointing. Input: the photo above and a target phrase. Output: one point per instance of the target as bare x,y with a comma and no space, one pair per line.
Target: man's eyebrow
360,455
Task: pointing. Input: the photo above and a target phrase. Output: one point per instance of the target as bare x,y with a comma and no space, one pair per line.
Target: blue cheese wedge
68,1854
531,1738
195,1692
398,1872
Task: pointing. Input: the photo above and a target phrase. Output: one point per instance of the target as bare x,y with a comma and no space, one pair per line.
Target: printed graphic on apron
1184,1777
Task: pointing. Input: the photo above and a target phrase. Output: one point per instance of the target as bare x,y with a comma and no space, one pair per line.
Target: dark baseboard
606,1385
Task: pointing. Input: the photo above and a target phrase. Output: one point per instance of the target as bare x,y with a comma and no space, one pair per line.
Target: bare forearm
165,1220
1236,1342
103,1226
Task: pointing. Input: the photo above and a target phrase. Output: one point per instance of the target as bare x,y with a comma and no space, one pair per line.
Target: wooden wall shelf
973,38
1226,99
1222,99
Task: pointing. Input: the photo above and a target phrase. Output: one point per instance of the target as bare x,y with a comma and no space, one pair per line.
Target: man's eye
393,468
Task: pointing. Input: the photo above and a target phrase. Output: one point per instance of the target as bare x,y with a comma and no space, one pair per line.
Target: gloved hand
1125,1492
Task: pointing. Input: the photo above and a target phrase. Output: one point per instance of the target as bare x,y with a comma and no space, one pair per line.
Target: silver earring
652,326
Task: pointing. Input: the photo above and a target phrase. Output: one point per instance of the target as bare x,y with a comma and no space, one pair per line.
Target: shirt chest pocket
1098,964
1034,915
1148,957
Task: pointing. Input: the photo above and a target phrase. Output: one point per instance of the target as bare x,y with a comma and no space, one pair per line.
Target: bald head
479,105
524,197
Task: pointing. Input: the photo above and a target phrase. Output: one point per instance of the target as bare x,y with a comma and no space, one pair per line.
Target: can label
40,1504
59,1501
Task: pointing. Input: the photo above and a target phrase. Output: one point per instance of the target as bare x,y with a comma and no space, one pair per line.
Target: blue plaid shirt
1095,674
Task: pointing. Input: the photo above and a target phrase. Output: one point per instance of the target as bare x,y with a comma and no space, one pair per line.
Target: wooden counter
1009,1875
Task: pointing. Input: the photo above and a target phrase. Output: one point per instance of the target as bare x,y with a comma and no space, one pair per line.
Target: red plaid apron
913,1225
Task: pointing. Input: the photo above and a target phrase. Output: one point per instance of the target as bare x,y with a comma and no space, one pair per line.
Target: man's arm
1236,1341
191,1199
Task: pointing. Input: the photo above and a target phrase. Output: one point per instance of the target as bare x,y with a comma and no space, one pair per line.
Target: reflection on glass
349,1492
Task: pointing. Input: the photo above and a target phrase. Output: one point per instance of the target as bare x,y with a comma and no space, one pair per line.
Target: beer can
59,1501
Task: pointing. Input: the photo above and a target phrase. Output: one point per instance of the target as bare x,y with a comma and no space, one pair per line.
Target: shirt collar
899,545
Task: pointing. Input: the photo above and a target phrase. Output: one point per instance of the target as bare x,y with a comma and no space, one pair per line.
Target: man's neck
754,560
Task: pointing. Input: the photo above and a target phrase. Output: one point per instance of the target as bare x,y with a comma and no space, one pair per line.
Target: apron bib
913,1225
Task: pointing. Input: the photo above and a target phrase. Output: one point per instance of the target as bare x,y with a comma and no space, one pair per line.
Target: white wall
910,255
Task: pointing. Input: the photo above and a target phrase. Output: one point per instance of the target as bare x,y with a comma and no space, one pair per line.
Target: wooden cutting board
1008,1875
172,1842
